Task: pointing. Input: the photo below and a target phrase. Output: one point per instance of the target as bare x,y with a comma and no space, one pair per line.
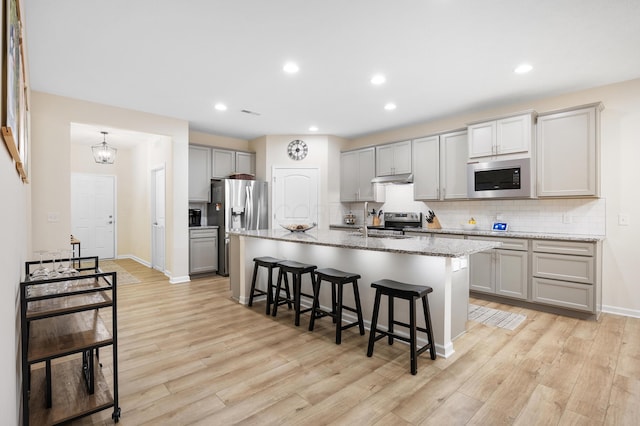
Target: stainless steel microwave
501,179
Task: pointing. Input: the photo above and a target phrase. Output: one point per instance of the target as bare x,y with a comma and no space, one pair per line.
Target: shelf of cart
65,287
69,393
75,303
66,334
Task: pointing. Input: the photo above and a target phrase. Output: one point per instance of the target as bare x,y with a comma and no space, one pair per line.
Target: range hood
396,179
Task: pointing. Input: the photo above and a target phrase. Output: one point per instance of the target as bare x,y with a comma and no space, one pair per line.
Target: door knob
110,222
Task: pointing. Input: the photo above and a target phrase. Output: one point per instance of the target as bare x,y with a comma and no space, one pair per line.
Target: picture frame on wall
14,91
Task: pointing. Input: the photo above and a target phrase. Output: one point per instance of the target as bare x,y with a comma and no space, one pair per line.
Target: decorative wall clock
297,149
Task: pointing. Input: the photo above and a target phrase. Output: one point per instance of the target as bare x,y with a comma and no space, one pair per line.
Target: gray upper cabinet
393,159
569,135
245,163
426,166
440,167
199,174
223,163
226,162
504,138
357,168
453,165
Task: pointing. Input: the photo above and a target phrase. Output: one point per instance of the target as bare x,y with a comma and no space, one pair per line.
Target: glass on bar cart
41,272
55,254
64,267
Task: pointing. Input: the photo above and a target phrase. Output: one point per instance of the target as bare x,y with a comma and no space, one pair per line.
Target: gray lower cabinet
559,273
565,274
503,271
203,250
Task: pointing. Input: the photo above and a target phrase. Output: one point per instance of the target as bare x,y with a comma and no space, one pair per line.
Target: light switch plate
623,219
53,217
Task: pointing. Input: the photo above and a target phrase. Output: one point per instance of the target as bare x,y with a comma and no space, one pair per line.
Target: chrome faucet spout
366,213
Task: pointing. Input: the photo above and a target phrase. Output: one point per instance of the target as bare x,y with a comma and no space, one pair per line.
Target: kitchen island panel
446,275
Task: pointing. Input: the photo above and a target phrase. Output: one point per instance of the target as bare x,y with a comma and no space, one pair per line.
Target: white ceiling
440,57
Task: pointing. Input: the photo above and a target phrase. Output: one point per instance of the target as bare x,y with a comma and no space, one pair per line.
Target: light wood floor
188,354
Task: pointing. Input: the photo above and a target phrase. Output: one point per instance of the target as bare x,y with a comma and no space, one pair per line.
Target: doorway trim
152,219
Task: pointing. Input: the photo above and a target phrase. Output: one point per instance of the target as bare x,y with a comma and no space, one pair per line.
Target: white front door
295,196
158,219
93,213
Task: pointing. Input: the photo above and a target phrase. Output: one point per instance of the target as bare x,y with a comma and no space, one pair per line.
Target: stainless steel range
395,222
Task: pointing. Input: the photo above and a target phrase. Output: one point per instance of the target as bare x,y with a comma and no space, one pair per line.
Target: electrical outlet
566,218
623,219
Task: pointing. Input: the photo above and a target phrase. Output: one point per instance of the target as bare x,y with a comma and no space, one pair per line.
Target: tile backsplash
561,216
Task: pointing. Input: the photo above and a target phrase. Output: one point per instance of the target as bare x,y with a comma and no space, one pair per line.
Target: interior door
158,219
93,213
295,196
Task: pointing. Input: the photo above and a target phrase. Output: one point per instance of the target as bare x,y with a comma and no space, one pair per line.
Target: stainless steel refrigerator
236,204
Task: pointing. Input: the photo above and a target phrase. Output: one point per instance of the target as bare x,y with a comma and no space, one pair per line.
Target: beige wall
324,154
51,164
620,174
259,146
218,141
14,251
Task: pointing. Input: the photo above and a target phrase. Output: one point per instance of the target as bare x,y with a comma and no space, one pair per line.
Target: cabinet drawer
564,294
507,243
203,233
563,267
564,247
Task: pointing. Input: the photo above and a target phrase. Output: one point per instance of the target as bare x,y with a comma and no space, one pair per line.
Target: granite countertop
425,246
203,227
511,234
489,233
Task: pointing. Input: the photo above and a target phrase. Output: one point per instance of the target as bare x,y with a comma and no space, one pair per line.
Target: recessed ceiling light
291,68
220,106
313,128
390,106
378,79
523,69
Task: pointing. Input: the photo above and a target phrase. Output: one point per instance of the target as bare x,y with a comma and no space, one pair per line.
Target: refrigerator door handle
248,209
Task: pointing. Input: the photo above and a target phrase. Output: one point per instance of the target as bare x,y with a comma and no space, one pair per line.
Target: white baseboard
167,273
136,258
634,313
179,280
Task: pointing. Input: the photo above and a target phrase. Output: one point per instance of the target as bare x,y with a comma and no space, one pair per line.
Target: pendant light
103,153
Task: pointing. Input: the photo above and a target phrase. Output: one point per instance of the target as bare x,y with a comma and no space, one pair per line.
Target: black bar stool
269,263
411,293
337,279
296,269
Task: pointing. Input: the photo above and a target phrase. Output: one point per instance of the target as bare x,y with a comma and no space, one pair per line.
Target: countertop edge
505,234
444,250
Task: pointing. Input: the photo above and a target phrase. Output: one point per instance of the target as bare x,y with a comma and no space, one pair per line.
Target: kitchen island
437,262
